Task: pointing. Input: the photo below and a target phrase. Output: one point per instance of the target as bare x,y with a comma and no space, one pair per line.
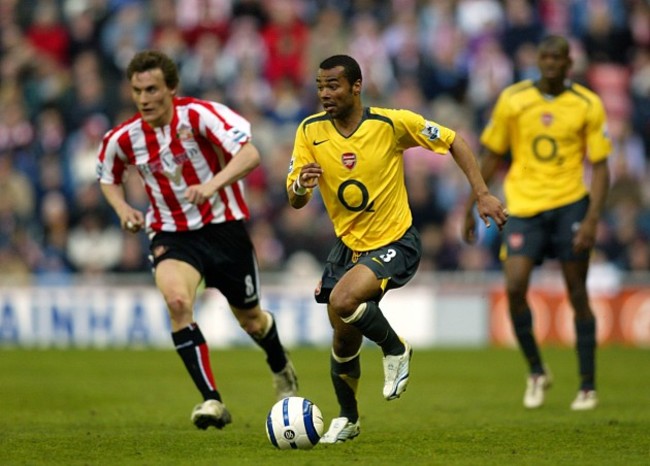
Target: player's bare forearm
599,190
114,194
298,201
487,204
300,189
467,162
247,159
489,164
585,237
130,219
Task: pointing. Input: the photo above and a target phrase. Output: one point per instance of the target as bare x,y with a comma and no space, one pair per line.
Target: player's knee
254,322
516,292
343,303
179,305
578,296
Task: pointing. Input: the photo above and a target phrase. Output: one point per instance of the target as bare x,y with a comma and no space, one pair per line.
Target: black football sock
345,373
372,323
193,350
523,326
586,349
270,343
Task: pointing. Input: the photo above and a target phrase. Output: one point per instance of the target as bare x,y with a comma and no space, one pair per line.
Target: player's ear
356,87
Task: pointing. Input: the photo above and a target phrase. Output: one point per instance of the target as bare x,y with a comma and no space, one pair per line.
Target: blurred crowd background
62,86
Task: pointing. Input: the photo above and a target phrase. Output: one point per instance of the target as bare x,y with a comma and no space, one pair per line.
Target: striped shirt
201,139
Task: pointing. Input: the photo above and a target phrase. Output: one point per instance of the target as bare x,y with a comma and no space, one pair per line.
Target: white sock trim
341,360
269,324
356,315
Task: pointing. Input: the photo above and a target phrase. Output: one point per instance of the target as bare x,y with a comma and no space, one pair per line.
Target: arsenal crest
349,160
547,119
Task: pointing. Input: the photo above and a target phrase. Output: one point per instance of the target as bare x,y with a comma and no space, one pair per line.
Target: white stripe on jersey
198,143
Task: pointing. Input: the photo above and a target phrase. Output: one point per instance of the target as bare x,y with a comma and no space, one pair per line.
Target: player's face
336,94
554,63
152,97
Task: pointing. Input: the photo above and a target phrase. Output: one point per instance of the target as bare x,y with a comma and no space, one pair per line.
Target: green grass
463,407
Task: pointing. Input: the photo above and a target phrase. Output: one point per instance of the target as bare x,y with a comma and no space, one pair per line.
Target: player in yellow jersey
549,126
353,154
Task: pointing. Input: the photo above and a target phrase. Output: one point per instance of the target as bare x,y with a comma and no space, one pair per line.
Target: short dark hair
150,60
557,42
351,68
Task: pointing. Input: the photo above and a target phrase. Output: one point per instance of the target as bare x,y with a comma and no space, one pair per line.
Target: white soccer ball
294,423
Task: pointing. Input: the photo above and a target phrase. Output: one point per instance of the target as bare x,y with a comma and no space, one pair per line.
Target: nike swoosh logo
316,143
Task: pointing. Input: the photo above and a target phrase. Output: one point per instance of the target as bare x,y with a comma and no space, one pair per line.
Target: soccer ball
294,423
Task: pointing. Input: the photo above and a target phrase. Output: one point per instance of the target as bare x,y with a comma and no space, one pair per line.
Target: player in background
549,126
192,155
353,154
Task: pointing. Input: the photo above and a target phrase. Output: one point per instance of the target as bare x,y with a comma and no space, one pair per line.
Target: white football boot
396,373
211,413
340,430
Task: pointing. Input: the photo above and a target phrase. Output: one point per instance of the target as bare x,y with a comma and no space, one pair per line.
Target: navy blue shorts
222,253
546,235
396,262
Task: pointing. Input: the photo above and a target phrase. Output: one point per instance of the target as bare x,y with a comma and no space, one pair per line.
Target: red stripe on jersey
124,141
189,173
212,146
236,187
165,188
239,195
118,165
213,162
206,105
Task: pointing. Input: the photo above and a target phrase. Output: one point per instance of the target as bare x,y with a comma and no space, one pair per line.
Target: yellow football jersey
362,185
549,138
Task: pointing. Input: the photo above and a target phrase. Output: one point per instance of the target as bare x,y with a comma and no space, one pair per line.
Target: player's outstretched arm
490,164
487,204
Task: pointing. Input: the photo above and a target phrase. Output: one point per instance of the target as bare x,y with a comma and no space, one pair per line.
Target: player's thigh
231,265
358,285
176,262
568,219
176,276
525,236
396,263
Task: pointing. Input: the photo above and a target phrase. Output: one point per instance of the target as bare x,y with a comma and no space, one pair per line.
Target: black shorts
396,262
222,253
546,235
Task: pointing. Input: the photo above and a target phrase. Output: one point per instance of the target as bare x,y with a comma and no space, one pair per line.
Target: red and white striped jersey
202,137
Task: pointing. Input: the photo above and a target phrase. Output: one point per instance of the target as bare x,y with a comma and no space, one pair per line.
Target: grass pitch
462,407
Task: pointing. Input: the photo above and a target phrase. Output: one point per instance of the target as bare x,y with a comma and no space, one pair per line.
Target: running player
192,155
353,154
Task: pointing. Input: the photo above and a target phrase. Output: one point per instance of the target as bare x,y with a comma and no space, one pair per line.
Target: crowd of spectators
62,86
